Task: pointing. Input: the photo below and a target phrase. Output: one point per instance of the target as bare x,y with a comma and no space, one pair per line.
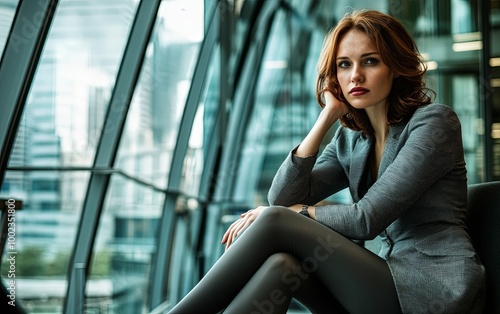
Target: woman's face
364,78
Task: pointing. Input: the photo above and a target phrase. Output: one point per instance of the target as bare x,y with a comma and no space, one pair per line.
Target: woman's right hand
332,111
240,225
334,105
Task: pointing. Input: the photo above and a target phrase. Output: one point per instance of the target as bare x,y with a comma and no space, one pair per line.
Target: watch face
304,212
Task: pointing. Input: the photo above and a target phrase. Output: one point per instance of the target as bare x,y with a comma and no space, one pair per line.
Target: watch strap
304,211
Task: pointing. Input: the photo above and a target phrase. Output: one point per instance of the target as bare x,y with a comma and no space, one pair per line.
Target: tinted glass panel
67,103
159,99
43,235
125,242
7,12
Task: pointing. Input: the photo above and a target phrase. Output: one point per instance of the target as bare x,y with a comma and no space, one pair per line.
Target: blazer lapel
360,155
359,159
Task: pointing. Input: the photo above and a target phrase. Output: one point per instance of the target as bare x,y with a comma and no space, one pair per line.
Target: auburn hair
397,50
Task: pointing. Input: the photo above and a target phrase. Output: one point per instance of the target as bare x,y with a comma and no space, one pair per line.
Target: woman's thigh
360,280
269,292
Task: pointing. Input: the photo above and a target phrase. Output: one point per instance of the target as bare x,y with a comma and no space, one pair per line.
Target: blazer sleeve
433,148
308,180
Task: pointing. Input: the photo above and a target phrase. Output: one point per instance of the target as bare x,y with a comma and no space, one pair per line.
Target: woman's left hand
240,225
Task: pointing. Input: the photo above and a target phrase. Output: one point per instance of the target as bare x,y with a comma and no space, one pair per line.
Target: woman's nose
357,74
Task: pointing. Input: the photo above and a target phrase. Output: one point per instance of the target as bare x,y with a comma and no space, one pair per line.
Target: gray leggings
284,255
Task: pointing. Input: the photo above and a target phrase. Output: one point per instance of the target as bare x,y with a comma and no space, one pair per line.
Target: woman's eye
343,64
371,61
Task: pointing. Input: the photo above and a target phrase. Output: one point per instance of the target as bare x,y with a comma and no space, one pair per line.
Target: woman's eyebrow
362,56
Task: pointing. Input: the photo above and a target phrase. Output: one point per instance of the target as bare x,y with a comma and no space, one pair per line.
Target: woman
403,161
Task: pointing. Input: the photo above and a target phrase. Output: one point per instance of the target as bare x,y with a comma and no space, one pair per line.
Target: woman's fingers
246,213
229,231
233,225
334,103
237,227
232,232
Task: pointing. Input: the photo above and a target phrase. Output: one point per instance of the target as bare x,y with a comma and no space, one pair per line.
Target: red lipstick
358,91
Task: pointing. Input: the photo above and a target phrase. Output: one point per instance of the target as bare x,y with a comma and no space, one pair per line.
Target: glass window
7,12
45,233
211,105
193,160
184,266
494,91
263,135
448,38
60,127
243,12
126,238
183,273
154,116
202,131
66,105
125,244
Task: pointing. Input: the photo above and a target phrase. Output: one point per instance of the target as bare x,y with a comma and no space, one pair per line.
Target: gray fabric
417,206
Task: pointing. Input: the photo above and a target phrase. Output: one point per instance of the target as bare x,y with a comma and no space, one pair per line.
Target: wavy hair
397,50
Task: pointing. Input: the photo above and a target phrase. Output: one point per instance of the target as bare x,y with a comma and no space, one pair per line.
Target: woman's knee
282,261
287,270
274,214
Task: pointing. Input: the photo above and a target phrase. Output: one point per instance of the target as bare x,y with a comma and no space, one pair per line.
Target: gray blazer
417,206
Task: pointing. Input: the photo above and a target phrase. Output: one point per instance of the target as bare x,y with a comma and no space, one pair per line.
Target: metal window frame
18,65
486,90
106,152
238,119
226,90
162,259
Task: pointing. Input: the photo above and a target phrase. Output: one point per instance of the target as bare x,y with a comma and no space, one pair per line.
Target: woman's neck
378,120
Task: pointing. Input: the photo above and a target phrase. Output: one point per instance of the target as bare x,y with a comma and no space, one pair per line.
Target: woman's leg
357,278
270,292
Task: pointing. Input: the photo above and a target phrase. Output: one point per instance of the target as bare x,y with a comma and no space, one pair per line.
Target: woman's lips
358,91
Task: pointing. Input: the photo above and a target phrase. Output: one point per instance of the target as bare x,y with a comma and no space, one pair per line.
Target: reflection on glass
125,243
211,104
159,99
183,274
202,131
193,161
451,46
267,135
44,237
466,92
7,12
